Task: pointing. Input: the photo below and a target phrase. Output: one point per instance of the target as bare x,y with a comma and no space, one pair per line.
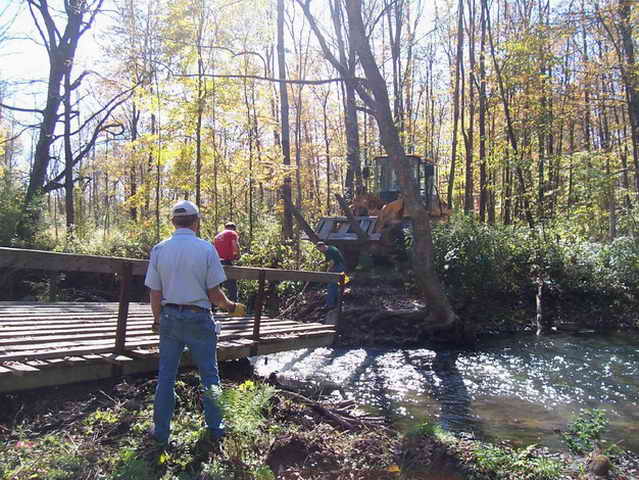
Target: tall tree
61,48
287,224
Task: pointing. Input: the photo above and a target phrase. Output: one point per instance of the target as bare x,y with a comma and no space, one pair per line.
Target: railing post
340,296
259,302
123,309
53,286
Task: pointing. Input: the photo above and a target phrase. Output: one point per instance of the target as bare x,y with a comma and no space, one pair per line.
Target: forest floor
99,430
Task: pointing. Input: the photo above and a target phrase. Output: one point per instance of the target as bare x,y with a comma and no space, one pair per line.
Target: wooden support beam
340,298
361,234
276,274
259,302
66,262
123,308
305,226
53,286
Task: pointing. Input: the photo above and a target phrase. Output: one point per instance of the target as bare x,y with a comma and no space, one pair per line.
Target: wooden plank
71,349
62,343
258,306
45,330
117,358
139,353
66,262
342,236
123,307
74,360
310,234
88,307
16,332
92,357
327,228
249,273
63,318
361,234
67,324
21,368
344,228
62,375
27,336
79,337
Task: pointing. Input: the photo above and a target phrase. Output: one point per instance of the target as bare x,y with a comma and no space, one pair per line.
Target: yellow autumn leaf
393,469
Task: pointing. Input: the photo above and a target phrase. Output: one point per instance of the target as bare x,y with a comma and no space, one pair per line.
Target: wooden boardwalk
59,343
56,343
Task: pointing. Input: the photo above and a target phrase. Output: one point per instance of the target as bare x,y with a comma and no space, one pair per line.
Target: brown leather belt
190,308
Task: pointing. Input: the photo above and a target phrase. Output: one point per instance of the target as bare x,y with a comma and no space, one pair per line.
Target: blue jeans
230,285
332,289
197,330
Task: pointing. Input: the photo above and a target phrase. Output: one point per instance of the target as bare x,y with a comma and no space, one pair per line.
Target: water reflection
522,388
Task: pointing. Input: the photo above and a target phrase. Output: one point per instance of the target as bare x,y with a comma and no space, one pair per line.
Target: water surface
524,389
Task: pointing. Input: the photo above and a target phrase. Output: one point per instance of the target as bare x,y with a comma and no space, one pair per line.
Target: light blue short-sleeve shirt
183,268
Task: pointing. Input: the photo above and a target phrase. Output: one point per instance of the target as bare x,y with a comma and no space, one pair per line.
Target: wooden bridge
46,344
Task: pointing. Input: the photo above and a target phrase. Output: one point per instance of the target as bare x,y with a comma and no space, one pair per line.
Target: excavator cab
387,182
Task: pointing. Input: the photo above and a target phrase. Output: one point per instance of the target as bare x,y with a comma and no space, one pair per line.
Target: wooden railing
14,259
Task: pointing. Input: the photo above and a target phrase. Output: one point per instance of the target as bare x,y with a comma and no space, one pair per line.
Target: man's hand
238,311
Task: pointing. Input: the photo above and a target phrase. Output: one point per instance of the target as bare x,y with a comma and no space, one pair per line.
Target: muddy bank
382,308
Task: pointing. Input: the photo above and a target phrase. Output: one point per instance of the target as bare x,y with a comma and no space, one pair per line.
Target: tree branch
19,109
267,79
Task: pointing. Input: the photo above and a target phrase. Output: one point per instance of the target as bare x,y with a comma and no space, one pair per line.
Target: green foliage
11,211
585,431
21,225
101,416
518,464
245,407
474,259
268,250
427,428
53,457
131,240
503,263
128,466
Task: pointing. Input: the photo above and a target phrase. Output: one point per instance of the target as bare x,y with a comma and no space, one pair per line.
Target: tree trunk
483,190
458,64
441,314
469,191
351,128
68,155
61,51
631,79
287,222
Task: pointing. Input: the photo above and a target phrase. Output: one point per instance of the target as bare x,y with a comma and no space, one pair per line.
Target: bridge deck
59,343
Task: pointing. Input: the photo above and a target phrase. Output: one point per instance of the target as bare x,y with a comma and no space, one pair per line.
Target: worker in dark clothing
336,264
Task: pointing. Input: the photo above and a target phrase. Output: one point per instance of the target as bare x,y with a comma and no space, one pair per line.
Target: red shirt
224,244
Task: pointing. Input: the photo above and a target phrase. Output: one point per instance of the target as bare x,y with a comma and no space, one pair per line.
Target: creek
523,389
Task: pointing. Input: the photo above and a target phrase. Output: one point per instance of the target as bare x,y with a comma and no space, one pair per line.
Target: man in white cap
184,277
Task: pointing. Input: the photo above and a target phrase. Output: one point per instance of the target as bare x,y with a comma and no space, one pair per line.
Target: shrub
585,430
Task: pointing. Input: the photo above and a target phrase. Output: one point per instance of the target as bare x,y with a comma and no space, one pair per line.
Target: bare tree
61,47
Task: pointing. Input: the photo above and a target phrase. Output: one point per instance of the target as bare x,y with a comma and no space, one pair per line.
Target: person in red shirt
227,244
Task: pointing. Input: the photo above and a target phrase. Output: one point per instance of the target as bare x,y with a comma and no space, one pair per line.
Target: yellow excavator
373,219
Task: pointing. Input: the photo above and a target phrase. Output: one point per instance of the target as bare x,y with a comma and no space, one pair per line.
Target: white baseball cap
184,208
